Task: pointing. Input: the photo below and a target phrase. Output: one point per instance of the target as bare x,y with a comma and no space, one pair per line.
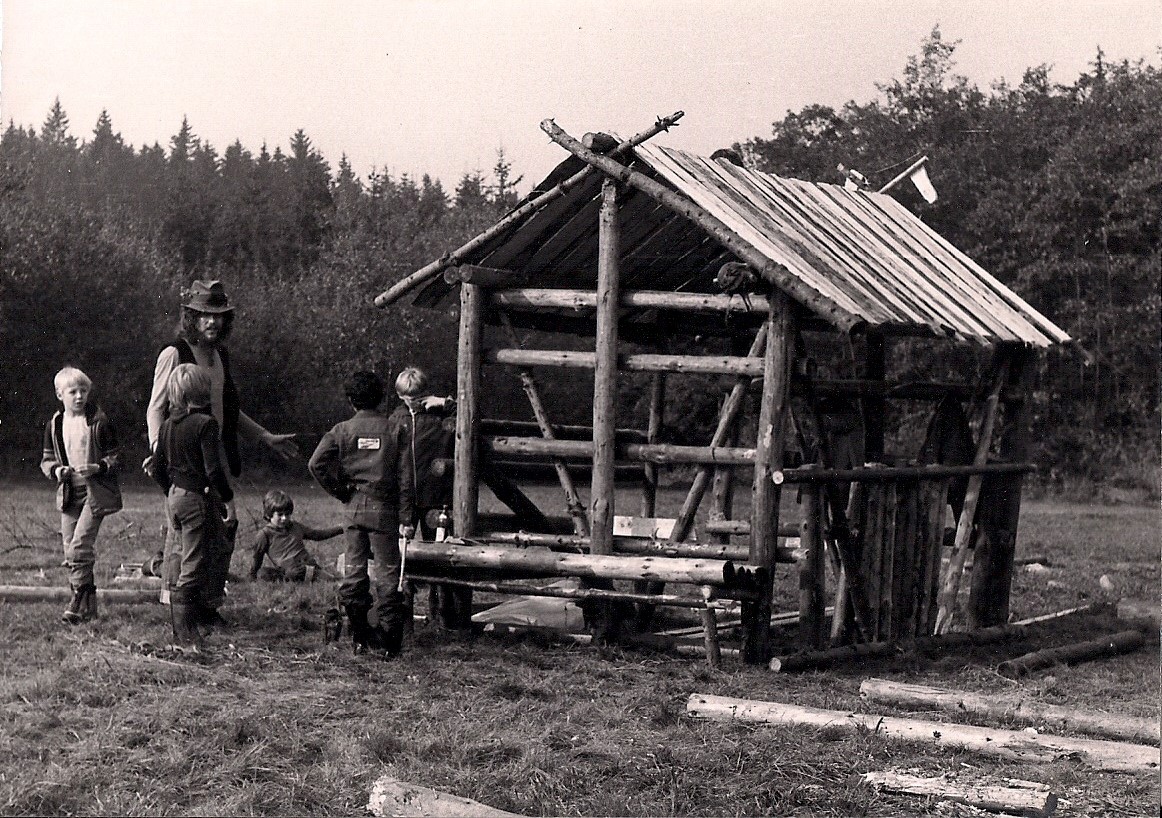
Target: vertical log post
601,504
874,368
653,429
645,611
722,486
465,484
872,555
601,492
936,498
769,443
710,631
812,576
988,602
889,513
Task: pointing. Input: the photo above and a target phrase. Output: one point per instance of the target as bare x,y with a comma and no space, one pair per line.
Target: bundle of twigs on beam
427,273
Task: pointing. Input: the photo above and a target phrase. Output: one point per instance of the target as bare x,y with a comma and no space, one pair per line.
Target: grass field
99,720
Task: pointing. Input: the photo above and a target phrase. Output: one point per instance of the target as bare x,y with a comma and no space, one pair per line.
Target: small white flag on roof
923,184
918,173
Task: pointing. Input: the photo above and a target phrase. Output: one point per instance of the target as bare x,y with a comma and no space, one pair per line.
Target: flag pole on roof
918,174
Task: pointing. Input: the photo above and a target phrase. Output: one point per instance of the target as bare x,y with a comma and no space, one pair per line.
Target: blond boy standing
80,454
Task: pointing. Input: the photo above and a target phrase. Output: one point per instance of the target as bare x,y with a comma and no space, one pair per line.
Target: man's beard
203,341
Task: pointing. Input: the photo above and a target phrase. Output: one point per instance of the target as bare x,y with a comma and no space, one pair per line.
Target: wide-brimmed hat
207,296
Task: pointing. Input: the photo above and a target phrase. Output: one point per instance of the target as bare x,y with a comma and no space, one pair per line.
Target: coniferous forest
1054,188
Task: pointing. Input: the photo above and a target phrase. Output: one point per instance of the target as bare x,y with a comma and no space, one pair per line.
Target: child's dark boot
72,614
360,630
184,617
83,606
332,625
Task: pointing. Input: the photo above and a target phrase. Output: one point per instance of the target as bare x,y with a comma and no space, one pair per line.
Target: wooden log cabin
633,245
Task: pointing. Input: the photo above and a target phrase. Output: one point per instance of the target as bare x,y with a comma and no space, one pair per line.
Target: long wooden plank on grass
1026,711
1015,797
392,796
1016,745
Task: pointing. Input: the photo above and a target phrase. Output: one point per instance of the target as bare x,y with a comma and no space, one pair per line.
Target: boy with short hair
358,463
281,539
186,465
80,454
431,442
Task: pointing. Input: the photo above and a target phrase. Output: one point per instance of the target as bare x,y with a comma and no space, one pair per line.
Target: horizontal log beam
741,528
633,545
483,276
538,299
669,600
642,640
1015,745
883,474
563,431
637,452
455,553
638,362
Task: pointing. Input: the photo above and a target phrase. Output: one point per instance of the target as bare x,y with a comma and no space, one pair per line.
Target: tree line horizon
1056,189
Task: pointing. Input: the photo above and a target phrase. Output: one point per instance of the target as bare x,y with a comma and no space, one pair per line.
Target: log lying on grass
817,660
820,659
1025,745
1017,797
1111,645
390,796
915,697
36,593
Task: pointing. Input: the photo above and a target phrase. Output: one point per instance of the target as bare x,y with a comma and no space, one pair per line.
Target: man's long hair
188,328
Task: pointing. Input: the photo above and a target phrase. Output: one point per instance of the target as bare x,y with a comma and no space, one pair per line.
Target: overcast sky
436,86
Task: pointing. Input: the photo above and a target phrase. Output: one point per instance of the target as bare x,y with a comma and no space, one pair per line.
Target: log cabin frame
631,242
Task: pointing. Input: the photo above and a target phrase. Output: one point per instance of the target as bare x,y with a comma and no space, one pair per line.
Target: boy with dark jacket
80,454
358,463
186,465
431,442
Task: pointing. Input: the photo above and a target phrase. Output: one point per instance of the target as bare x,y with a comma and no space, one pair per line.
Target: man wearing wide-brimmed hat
207,318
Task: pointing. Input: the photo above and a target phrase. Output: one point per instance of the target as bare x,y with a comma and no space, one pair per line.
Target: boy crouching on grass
80,454
358,462
281,539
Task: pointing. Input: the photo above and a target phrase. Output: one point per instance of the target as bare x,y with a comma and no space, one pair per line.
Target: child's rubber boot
72,614
360,630
90,603
332,625
184,617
